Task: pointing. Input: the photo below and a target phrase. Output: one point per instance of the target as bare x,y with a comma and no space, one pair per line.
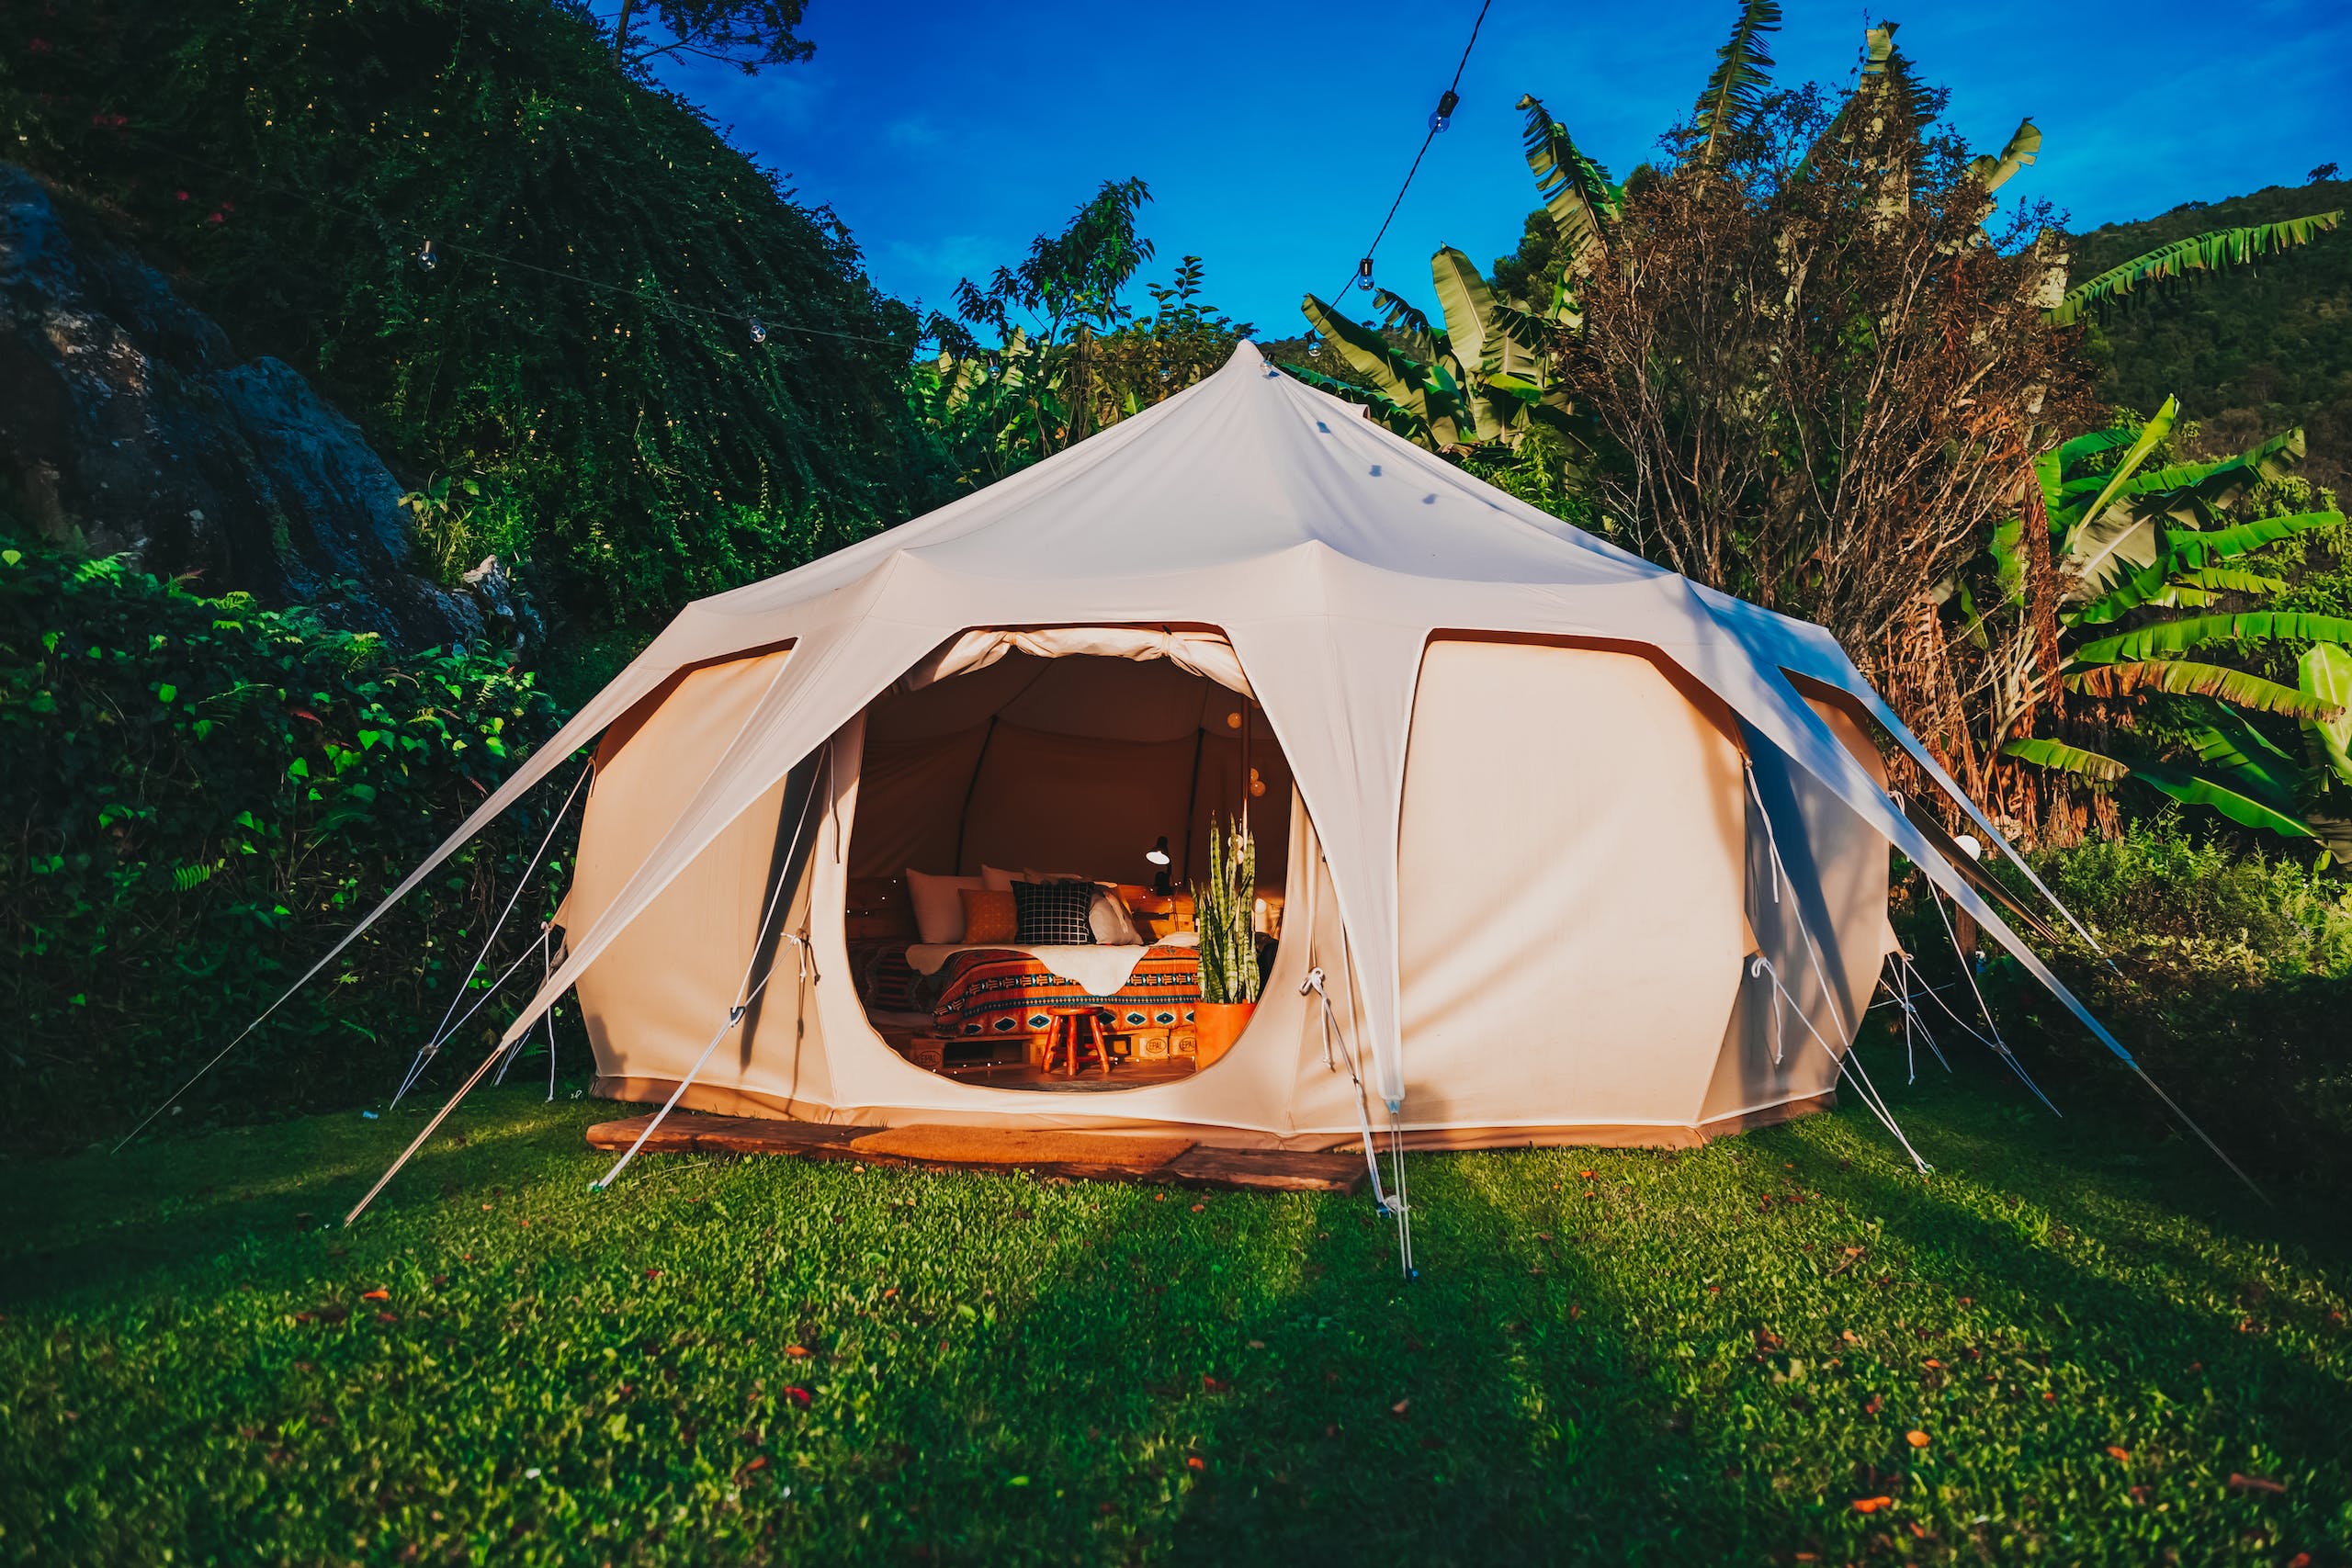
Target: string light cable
1439,119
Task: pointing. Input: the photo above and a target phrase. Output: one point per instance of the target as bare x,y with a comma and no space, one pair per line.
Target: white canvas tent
1550,805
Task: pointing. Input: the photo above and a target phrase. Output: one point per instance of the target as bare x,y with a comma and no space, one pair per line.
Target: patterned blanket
992,992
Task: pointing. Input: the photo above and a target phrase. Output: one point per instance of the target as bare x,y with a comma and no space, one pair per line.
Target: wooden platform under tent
1171,1158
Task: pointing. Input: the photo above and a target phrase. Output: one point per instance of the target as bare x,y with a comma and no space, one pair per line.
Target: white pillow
997,881
1110,921
938,904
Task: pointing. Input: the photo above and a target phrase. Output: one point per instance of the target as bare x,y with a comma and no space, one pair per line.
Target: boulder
129,425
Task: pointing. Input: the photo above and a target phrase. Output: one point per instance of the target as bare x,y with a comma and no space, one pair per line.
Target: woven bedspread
994,992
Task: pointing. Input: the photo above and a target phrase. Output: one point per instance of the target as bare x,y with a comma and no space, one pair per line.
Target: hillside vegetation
578,368
2249,350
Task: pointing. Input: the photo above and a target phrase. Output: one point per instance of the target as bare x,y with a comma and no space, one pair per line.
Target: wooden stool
1077,1031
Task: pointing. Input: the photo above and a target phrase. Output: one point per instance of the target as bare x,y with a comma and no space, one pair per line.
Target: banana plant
985,405
1484,378
2156,543
1489,375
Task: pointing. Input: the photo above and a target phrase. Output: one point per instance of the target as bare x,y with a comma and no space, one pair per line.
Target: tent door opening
1035,813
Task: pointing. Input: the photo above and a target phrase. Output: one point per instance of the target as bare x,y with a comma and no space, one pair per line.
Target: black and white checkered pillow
1054,914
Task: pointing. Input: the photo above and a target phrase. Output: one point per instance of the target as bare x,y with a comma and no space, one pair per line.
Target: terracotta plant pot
1217,1025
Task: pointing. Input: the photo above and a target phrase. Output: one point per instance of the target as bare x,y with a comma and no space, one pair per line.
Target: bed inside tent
986,788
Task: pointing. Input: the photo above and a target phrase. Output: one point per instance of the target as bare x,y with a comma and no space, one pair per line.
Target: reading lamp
1158,855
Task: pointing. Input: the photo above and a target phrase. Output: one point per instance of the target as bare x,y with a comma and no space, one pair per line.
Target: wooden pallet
1261,1171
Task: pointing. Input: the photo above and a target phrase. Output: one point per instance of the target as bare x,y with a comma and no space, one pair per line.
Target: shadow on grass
1673,1358
102,1222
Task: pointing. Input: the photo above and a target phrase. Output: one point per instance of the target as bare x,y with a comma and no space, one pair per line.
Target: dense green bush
2230,984
582,350
199,797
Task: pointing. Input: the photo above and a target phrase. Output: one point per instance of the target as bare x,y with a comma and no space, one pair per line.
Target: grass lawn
2062,1348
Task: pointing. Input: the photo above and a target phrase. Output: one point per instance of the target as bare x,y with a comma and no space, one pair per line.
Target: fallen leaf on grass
1403,1405
377,1294
795,1351
654,1273
388,1317
1917,1439
1212,1383
2256,1484
2122,1454
1199,1207
1871,1505
1874,1406
800,1396
1194,1461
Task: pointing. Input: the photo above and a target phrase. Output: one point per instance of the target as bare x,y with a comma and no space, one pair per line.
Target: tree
1069,356
1059,298
1816,377
747,34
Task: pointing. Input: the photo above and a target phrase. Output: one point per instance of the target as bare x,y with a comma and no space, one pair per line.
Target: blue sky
1274,134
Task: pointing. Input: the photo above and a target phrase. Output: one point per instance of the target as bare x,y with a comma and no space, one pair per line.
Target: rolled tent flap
1205,654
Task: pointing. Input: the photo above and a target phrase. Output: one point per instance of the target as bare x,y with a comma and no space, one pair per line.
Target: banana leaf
2024,145
1403,420
2195,631
2046,753
1574,190
1407,321
2214,249
2187,677
2089,556
2082,448
1472,325
1735,87
2198,789
2189,551
2325,674
2245,757
1401,380
2217,482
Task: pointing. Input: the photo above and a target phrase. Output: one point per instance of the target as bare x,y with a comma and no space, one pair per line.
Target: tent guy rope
263,1017
442,1034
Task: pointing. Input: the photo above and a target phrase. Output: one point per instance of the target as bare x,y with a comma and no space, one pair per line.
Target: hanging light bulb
1364,273
425,258
1443,116
759,332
